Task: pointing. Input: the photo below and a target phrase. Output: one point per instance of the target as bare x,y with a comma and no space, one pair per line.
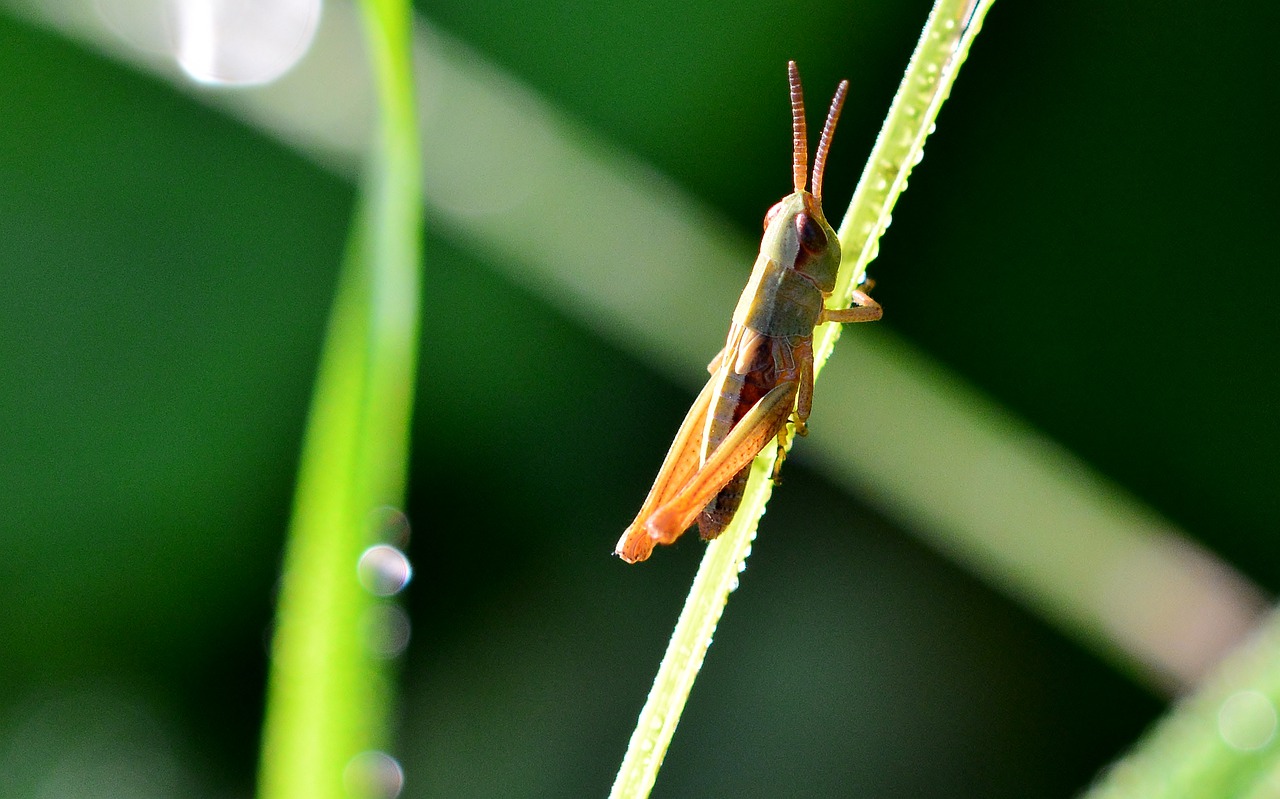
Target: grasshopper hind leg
731,457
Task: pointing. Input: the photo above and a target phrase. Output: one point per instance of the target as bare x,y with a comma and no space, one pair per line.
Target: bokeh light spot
384,570
242,42
375,774
387,630
389,525
1247,720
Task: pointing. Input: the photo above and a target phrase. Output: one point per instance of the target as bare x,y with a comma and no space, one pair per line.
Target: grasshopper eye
812,239
771,214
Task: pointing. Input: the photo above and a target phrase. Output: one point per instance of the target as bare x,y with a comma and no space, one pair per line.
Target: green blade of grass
328,692
942,48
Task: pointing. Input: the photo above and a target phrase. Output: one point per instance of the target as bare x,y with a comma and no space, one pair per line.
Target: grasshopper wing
740,447
682,461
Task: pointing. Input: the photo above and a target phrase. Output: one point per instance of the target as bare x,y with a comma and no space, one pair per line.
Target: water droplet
383,570
387,630
918,157
1247,720
373,774
932,127
949,24
388,525
881,185
242,42
733,585
888,220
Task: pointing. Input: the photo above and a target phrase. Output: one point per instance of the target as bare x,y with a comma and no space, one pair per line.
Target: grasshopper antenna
800,133
824,144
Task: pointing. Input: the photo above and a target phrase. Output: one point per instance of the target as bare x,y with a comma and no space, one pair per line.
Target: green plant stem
328,692
942,48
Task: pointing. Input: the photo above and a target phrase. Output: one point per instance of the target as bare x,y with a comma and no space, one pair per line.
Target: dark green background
1090,239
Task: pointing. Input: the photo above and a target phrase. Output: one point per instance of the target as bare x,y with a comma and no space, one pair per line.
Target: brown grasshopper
764,374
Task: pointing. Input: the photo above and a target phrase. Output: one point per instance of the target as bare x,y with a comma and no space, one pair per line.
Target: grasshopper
763,377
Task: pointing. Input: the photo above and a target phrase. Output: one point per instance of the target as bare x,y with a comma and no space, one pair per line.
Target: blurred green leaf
1219,742
329,693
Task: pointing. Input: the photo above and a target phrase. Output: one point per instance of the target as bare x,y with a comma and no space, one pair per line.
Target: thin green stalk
943,46
328,692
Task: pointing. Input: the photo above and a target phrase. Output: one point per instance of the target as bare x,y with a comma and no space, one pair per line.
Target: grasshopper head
798,232
795,228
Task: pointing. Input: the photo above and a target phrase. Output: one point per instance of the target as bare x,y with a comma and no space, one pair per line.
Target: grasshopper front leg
864,309
739,448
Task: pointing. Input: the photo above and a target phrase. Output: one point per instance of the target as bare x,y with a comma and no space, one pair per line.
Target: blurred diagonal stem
328,693
943,46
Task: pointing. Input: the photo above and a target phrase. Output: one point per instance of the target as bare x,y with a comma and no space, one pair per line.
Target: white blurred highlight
218,42
384,570
241,42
